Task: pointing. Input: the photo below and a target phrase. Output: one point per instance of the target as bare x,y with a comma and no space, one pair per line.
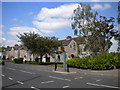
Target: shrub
37,59
103,61
18,60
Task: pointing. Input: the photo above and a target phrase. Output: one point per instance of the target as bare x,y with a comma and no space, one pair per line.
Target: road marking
20,82
47,82
66,86
11,68
2,75
10,78
34,88
79,78
98,80
59,78
27,72
67,79
102,85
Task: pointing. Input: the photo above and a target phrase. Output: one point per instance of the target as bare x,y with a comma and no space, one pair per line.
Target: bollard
67,68
55,66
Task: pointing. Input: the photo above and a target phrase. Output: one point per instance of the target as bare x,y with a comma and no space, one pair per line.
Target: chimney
68,37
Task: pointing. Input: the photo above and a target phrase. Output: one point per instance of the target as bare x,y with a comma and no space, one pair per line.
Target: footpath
113,73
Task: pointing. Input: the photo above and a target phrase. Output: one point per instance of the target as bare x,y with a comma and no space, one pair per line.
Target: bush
37,59
18,60
104,61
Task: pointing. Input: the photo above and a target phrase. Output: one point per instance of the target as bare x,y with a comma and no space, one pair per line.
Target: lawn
58,65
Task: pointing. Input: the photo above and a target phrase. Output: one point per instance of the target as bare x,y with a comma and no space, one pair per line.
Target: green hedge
18,60
104,61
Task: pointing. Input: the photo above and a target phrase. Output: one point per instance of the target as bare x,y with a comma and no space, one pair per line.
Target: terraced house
74,47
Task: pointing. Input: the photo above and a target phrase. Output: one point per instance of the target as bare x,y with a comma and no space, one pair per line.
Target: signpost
64,61
64,58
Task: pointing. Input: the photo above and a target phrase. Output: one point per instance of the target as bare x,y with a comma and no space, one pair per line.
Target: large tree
97,31
38,45
118,38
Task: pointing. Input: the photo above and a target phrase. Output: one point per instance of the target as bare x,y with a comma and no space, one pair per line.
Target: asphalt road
27,76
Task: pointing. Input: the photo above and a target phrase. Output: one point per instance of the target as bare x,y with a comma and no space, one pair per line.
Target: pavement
113,72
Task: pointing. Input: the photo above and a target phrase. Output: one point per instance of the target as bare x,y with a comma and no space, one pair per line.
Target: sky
45,18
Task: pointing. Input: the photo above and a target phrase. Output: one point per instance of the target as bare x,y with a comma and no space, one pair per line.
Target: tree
97,32
39,45
118,19
29,41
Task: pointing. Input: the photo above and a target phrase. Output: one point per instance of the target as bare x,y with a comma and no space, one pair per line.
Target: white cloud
54,19
2,41
63,11
1,33
51,25
95,0
2,26
101,6
114,46
11,42
24,29
14,19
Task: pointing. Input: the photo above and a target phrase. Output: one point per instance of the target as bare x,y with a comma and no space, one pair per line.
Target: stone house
74,48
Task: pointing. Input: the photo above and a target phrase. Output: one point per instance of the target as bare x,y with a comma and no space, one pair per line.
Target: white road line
27,72
103,85
56,78
66,86
34,88
10,78
47,82
59,78
67,79
79,78
11,68
2,75
20,82
98,80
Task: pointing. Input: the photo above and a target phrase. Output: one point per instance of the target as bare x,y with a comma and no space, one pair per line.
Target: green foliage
37,59
18,60
104,61
96,31
39,45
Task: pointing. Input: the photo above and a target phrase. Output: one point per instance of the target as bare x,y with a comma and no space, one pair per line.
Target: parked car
84,54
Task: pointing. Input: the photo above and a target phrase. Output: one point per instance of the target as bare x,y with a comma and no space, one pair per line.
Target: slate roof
66,42
16,47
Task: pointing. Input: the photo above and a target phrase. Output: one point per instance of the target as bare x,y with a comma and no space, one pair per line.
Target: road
30,76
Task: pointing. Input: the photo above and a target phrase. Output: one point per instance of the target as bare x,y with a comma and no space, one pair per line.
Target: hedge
104,61
18,60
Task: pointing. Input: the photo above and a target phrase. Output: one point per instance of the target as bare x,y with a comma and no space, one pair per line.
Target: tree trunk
41,58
